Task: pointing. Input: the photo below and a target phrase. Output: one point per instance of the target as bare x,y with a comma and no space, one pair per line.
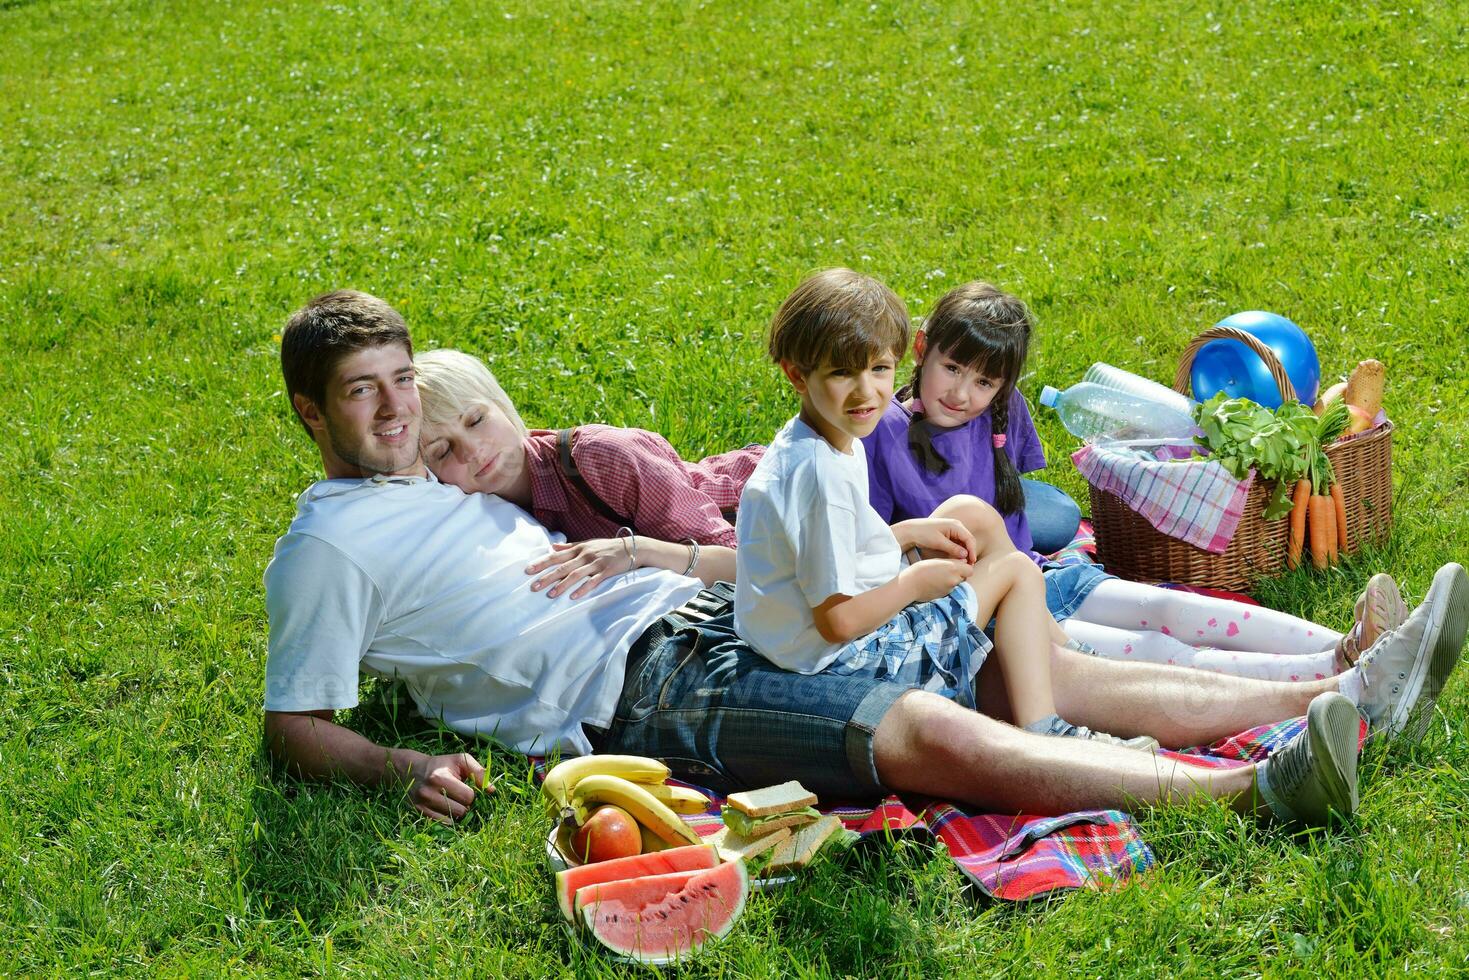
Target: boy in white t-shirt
821,583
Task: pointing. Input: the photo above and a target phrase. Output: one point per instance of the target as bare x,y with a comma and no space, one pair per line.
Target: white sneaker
1403,673
1315,774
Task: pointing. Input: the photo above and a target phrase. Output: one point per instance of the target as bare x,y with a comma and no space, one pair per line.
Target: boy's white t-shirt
417,580
806,533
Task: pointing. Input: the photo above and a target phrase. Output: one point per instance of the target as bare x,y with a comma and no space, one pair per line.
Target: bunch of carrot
1318,500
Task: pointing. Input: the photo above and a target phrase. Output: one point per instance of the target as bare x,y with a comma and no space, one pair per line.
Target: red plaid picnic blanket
1020,856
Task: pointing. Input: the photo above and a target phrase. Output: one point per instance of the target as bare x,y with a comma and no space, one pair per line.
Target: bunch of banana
679,799
576,787
561,781
650,812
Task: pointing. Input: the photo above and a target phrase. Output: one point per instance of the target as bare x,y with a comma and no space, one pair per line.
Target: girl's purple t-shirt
899,488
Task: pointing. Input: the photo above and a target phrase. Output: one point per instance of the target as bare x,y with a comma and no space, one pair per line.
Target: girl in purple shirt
962,427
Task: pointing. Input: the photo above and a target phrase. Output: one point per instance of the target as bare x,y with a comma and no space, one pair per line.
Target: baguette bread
772,799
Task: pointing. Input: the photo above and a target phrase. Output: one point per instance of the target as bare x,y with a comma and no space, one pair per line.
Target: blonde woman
623,497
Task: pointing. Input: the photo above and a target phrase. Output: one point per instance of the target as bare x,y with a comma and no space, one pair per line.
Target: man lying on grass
386,571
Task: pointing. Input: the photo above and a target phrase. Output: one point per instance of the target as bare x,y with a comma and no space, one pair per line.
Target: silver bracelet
693,555
629,545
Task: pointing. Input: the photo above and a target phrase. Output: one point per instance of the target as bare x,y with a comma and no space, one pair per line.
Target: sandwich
780,823
796,851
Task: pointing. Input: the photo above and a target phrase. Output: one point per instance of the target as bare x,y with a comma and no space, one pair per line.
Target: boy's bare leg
992,540
926,744
1177,706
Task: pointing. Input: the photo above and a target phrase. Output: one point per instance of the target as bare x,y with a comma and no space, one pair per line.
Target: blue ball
1230,366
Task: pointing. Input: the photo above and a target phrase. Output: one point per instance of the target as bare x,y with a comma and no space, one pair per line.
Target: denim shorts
720,715
1067,586
931,646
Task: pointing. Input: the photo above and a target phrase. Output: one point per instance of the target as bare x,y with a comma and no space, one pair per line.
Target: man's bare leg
926,744
1177,706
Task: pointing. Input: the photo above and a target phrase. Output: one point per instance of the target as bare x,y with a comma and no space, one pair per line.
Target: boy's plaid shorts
934,646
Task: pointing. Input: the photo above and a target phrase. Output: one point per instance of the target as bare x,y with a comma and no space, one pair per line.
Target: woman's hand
587,562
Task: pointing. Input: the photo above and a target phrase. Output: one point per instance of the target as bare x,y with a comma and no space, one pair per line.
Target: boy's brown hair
328,328
839,318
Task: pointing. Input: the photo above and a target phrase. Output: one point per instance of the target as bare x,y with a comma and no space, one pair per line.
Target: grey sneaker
1059,727
1405,670
1315,774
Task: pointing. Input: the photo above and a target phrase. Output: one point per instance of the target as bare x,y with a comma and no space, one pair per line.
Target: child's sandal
1378,609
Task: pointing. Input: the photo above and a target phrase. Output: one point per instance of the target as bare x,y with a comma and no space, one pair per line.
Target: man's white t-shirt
806,533
414,579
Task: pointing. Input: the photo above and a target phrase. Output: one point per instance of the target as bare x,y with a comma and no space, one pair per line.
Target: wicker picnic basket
1132,548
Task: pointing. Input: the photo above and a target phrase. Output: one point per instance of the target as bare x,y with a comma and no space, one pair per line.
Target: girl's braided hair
986,329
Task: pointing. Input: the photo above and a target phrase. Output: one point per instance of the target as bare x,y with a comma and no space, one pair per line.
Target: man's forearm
317,748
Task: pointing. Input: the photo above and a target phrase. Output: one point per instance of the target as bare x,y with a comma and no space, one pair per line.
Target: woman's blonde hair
449,381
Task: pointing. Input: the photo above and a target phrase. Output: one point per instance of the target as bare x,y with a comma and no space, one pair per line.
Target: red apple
610,832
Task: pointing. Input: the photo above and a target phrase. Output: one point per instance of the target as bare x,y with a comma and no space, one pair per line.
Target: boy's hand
938,536
934,578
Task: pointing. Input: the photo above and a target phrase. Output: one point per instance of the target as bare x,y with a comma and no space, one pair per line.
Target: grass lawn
607,201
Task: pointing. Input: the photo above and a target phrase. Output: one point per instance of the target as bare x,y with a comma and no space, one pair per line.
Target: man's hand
442,787
934,578
312,745
938,537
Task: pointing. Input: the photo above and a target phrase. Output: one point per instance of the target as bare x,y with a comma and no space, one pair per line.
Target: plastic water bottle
1099,414
1114,377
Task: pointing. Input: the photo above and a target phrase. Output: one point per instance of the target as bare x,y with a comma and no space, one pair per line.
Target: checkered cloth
1198,502
1015,857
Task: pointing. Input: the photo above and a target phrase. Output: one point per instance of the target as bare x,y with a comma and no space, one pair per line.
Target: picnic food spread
637,876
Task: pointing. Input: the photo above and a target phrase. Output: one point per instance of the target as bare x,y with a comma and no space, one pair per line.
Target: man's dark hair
327,329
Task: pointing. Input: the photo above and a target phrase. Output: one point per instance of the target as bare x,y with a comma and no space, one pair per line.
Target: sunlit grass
608,201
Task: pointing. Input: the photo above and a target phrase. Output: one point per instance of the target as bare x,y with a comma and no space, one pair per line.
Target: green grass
608,200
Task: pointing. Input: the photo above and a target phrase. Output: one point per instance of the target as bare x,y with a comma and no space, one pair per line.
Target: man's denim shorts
719,714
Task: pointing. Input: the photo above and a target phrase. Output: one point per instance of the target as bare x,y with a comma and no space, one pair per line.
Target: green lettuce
1242,435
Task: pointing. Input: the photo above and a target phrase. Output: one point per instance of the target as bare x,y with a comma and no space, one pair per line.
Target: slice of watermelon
644,890
694,857
656,925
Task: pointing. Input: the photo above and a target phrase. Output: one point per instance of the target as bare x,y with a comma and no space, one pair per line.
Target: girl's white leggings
1129,621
